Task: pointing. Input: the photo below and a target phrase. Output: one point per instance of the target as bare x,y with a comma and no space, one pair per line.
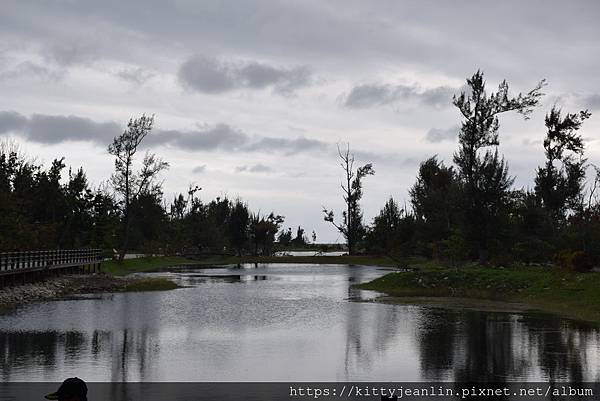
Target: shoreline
548,290
120,276
66,286
487,305
566,294
161,263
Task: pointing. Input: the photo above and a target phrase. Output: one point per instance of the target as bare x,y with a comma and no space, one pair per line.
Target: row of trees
44,209
38,211
468,210
471,210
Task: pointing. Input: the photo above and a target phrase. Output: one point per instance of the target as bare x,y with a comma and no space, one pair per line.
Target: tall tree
485,178
385,232
128,183
263,230
434,199
239,222
560,187
351,225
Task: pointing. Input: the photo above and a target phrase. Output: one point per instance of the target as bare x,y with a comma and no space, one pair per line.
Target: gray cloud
11,121
289,146
211,75
436,135
49,129
56,129
219,137
371,95
416,34
226,138
387,158
592,101
29,69
199,169
204,74
256,168
135,75
72,52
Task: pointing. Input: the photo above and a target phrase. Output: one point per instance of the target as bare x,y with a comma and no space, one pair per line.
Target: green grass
151,284
550,289
142,264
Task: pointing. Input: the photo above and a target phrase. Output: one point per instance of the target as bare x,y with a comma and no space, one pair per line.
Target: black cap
72,387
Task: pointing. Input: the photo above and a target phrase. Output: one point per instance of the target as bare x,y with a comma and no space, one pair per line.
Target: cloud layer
370,95
436,135
212,75
282,78
48,129
255,168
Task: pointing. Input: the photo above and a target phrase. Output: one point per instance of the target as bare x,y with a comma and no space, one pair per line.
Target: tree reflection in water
474,346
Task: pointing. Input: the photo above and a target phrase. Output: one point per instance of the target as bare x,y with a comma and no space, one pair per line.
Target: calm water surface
280,323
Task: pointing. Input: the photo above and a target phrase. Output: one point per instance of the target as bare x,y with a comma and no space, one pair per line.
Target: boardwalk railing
22,263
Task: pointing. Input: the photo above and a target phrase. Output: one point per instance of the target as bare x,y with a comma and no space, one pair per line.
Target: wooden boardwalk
22,266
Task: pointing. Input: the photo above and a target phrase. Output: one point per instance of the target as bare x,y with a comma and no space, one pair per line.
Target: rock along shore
58,287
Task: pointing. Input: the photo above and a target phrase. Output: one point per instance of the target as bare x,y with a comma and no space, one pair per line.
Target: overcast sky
251,97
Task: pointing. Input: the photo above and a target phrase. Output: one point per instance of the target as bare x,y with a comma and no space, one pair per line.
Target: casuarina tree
484,177
129,183
559,183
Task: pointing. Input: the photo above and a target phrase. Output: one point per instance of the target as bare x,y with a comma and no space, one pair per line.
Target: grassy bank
138,265
573,294
150,284
72,285
163,262
114,278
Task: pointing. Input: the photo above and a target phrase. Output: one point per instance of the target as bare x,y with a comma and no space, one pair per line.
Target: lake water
310,253
285,323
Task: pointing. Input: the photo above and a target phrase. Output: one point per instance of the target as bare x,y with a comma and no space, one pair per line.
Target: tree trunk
125,242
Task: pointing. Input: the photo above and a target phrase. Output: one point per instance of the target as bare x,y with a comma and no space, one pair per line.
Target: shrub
532,250
578,261
453,249
581,261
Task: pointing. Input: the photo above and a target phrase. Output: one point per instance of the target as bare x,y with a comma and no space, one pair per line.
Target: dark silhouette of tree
39,211
386,233
179,207
40,208
434,198
263,230
148,221
285,237
561,188
352,219
128,183
239,223
485,179
299,239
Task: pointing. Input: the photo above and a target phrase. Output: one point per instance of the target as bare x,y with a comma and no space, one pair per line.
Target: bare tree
351,226
128,183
